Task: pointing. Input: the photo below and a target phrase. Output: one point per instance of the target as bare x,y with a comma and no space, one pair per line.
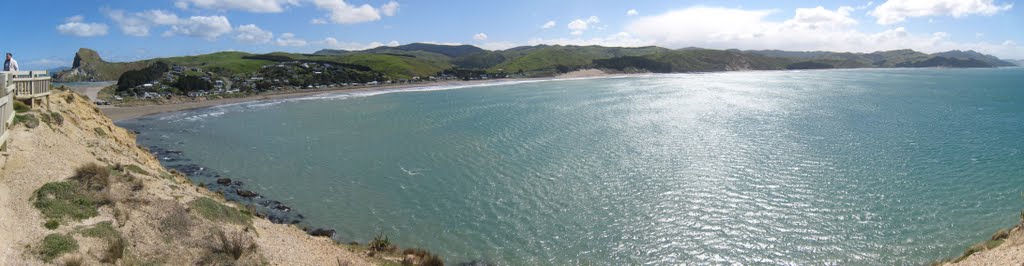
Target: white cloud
252,34
343,13
46,63
389,9
138,24
493,46
318,21
549,24
809,29
393,43
205,27
76,26
289,39
578,26
819,17
480,36
257,6
632,12
894,11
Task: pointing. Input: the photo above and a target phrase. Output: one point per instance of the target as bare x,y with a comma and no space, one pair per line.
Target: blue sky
46,33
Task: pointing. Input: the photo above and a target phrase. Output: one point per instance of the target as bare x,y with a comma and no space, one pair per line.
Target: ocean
868,166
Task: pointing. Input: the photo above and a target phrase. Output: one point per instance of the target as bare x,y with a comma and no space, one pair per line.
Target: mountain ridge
424,59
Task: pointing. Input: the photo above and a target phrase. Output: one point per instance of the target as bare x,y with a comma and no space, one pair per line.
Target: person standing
10,64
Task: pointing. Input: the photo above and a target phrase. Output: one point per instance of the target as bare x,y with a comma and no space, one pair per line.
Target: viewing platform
20,86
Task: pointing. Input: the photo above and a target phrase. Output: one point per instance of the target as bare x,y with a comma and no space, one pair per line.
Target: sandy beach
123,113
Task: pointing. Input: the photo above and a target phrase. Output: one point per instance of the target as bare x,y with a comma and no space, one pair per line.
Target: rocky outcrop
89,66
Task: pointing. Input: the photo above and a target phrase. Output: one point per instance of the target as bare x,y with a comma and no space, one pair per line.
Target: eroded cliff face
142,214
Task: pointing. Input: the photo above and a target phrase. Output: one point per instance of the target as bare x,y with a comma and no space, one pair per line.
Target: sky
44,34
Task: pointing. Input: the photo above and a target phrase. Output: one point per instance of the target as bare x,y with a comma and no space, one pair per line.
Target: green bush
59,200
215,211
29,120
55,245
57,118
20,107
381,243
92,176
136,169
114,250
51,224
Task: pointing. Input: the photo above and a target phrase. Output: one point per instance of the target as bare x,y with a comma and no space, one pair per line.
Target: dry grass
177,223
227,248
93,176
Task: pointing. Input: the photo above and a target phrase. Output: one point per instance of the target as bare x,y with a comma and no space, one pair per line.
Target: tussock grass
55,245
73,260
92,176
227,248
51,224
215,211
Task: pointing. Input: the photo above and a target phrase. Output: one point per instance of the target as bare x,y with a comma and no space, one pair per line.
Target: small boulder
246,193
322,232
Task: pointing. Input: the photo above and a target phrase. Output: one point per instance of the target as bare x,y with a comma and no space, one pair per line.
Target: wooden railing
6,107
20,85
31,84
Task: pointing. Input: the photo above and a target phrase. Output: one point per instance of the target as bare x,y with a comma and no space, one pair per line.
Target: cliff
75,188
89,66
1006,247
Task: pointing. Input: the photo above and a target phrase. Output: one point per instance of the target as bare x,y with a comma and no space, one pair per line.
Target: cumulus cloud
257,6
389,9
819,17
578,26
632,12
289,39
808,30
480,36
341,12
252,34
895,11
76,26
138,24
207,27
549,24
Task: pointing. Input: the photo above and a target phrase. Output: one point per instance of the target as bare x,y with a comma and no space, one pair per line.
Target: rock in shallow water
322,232
246,193
224,181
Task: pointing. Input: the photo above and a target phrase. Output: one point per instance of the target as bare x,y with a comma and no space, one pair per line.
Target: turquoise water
897,166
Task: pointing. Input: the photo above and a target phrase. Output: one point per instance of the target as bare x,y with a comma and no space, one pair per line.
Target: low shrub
177,222
57,118
55,245
92,176
29,120
21,107
114,250
227,249
215,211
59,200
102,230
381,243
69,98
51,224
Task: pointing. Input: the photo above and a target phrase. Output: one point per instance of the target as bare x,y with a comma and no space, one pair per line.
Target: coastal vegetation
245,73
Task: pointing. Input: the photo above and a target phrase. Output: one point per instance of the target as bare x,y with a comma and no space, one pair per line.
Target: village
282,76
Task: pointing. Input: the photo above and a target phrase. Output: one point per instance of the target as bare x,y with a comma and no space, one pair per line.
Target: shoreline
131,112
